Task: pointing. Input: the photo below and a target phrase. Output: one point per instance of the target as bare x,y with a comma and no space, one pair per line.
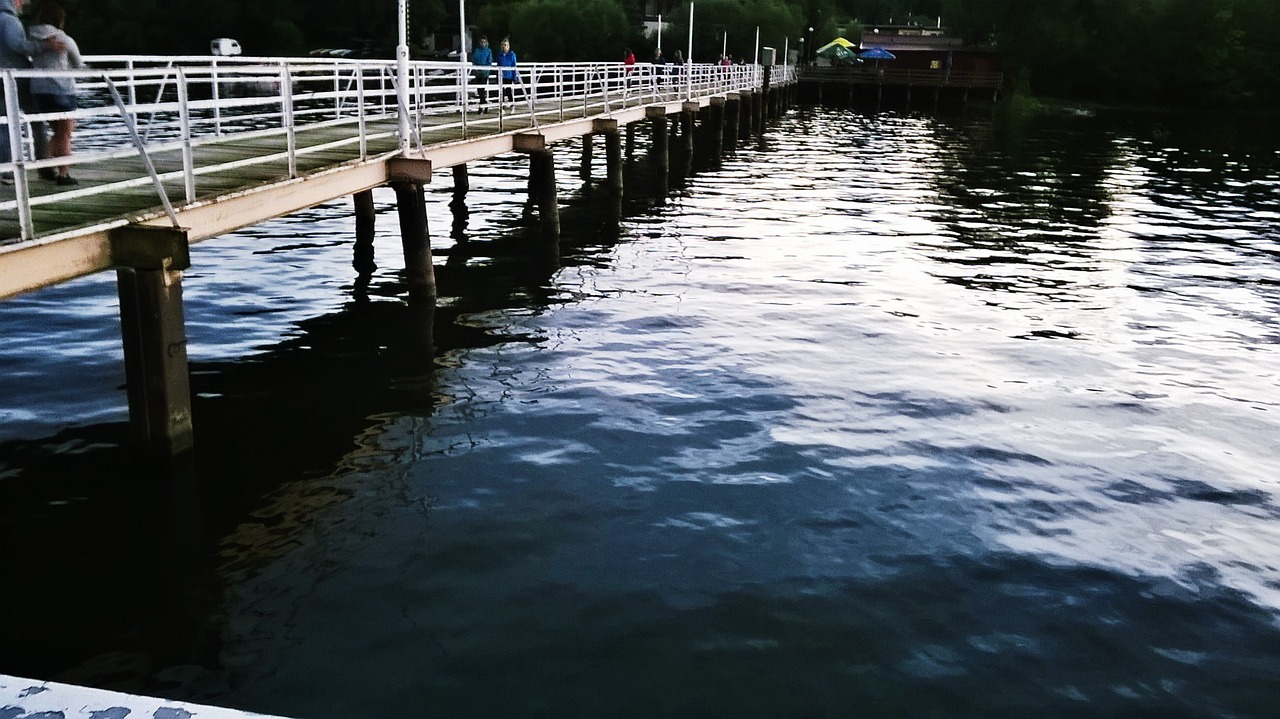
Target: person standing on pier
55,94
15,53
507,58
482,58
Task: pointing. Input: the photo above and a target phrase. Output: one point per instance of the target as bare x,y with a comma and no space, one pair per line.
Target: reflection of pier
861,85
170,157
316,400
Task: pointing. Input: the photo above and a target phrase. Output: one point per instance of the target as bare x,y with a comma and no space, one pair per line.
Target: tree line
1181,52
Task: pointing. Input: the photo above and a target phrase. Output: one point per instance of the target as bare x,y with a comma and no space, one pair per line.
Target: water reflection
806,435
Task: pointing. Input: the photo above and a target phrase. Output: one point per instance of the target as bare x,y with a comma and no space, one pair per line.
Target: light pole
659,31
402,75
688,58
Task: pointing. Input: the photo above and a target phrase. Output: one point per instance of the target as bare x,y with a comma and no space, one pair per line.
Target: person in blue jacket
482,58
507,58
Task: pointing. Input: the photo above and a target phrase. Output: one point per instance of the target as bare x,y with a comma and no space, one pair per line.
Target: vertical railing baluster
184,121
286,119
364,142
216,95
337,91
13,115
133,81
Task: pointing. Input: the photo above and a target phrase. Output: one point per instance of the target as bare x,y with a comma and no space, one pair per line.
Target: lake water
884,415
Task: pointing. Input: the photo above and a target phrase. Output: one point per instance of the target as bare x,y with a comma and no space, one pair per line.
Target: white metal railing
154,122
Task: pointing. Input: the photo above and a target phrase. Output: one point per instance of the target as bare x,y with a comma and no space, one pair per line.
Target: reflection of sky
789,382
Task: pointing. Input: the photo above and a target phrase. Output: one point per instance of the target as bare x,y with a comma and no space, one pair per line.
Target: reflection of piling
458,205
419,272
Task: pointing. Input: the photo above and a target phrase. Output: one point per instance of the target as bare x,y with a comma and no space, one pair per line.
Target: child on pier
55,94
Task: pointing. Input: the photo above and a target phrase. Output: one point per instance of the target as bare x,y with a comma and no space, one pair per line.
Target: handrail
195,105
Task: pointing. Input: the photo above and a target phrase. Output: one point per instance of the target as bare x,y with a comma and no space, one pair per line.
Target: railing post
286,119
213,93
22,193
184,121
337,91
133,82
364,141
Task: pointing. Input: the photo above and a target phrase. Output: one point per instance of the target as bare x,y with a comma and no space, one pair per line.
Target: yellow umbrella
841,42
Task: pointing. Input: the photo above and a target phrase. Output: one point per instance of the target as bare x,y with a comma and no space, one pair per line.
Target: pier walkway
207,145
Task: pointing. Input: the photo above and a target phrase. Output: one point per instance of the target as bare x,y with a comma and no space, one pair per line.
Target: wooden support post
687,118
631,138
542,188
155,361
461,180
584,169
613,161
717,126
661,141
731,112
757,112
150,262
416,240
661,154
366,220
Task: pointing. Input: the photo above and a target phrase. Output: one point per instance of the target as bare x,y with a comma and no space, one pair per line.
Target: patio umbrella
877,53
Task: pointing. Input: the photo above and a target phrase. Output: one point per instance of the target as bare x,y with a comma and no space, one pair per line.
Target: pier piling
366,222
419,272
613,161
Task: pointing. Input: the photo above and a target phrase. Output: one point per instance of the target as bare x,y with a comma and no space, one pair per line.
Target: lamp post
808,44
659,31
402,75
688,58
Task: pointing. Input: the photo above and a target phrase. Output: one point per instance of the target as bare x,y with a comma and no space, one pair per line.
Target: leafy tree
550,30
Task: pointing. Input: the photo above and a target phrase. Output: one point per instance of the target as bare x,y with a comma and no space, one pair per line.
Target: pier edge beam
149,263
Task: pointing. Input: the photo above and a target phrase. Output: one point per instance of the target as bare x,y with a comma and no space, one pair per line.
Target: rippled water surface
885,415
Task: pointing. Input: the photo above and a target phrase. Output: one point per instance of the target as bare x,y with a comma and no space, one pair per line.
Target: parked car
224,46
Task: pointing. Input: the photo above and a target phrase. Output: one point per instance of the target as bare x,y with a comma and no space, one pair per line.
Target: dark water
887,415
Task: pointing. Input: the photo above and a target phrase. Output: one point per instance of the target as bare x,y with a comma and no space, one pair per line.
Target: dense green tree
551,30
1209,52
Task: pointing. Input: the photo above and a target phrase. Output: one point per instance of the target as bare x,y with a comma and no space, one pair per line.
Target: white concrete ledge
21,698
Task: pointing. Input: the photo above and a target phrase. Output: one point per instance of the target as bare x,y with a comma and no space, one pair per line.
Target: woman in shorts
55,94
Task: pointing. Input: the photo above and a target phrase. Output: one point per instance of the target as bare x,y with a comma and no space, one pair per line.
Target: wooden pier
174,151
876,86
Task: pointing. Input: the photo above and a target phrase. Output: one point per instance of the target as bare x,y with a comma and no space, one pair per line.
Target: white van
224,46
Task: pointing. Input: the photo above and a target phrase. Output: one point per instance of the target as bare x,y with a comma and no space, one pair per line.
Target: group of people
482,57
44,45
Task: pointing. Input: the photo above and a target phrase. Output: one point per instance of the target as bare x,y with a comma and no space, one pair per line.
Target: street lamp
402,75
